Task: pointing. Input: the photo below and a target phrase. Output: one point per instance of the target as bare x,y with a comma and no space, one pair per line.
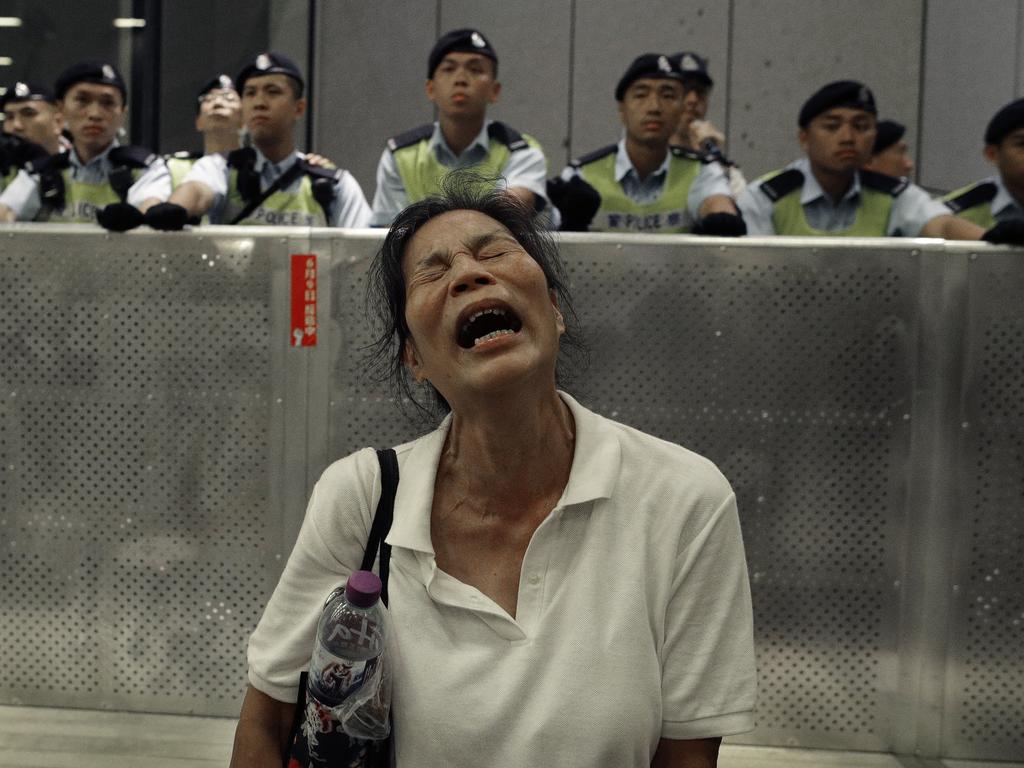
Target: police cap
1006,121
889,132
219,83
22,91
692,65
270,63
460,41
656,65
841,93
98,72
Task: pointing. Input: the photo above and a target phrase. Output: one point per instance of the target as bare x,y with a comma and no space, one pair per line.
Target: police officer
642,184
462,81
99,179
998,201
218,120
31,129
826,193
269,182
694,131
890,154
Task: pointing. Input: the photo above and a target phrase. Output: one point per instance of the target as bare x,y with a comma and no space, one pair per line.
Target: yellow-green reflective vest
422,172
82,199
618,213
283,208
179,164
872,220
974,203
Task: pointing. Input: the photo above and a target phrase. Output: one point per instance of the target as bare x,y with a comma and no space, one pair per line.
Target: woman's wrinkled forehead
451,231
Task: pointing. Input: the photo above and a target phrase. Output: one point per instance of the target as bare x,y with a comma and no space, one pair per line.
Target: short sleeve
155,182
528,168
390,197
22,196
912,209
709,677
711,180
757,210
329,547
212,172
351,209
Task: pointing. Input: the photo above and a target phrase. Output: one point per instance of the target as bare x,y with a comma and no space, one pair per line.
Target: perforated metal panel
136,548
985,686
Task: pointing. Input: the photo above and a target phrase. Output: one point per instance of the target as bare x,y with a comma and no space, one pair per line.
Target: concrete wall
938,66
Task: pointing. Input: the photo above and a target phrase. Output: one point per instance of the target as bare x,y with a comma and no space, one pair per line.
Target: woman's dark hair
385,292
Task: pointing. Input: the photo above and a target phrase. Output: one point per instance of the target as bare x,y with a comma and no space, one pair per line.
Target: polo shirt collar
1003,198
623,165
812,189
593,475
440,147
262,162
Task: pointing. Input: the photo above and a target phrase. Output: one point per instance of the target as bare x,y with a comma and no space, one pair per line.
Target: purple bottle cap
363,588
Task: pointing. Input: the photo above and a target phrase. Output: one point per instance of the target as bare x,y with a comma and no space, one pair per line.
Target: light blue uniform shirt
349,208
1005,206
22,196
711,180
525,168
911,209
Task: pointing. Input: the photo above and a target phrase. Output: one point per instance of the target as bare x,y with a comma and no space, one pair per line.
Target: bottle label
334,679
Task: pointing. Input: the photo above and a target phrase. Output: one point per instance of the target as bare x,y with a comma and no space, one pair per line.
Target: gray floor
36,737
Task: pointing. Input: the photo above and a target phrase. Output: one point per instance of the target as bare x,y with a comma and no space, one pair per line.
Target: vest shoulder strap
985,192
241,158
593,157
781,184
51,163
131,156
880,182
507,135
319,172
407,139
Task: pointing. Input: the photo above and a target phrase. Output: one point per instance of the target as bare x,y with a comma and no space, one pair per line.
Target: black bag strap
280,182
378,531
382,519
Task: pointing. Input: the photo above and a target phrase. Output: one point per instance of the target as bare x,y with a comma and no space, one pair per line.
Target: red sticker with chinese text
303,300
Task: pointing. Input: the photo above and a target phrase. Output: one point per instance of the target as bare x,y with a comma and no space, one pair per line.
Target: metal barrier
159,434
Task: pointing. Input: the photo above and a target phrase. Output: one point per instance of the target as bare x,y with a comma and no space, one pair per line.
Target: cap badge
22,90
478,40
663,64
263,61
108,72
865,94
689,63
225,82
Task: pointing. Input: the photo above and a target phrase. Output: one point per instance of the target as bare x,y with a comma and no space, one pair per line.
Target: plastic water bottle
349,684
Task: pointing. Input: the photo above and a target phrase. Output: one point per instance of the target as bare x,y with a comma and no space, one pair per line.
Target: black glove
721,224
169,217
1010,232
119,217
576,200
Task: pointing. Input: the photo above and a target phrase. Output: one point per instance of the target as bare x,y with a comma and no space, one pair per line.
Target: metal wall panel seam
931,506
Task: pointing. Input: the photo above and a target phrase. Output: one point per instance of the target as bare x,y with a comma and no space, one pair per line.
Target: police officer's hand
576,200
167,216
1009,232
119,217
721,224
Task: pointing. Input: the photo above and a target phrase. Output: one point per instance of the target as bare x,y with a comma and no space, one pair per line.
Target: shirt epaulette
132,156
317,171
183,154
985,192
407,139
780,185
594,156
56,162
237,158
689,154
880,182
507,135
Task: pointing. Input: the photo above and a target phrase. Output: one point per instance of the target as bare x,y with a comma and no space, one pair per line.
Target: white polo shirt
633,621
